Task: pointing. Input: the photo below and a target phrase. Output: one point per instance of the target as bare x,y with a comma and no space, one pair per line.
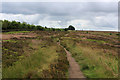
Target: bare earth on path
74,70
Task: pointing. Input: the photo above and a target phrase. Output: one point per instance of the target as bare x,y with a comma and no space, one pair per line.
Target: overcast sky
82,15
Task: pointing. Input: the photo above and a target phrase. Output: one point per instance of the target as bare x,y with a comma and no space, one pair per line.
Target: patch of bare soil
18,36
74,70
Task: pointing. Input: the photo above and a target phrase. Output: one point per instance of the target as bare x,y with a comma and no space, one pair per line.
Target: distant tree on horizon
71,27
15,26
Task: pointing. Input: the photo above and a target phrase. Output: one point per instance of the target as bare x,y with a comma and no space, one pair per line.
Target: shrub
118,34
110,33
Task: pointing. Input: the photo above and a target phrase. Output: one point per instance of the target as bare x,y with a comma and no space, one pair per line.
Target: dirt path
74,70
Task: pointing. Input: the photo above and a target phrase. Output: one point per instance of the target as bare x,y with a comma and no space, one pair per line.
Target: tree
32,26
71,27
5,24
53,29
66,29
39,27
45,27
14,25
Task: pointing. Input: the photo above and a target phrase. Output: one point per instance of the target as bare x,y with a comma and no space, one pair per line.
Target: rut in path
74,69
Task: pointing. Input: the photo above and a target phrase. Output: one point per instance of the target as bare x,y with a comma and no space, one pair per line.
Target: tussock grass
32,65
42,58
94,62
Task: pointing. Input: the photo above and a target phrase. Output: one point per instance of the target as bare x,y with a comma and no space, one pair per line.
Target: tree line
14,25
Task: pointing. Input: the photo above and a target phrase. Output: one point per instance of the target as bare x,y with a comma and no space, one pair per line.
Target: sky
94,15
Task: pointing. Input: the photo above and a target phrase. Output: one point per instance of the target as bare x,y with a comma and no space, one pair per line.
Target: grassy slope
43,55
32,64
94,61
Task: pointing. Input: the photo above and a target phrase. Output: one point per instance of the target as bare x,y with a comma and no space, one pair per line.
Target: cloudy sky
82,15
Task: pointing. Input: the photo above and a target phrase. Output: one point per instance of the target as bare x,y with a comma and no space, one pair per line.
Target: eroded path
74,69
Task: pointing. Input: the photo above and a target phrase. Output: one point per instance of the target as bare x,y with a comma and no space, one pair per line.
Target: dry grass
95,52
41,54
96,59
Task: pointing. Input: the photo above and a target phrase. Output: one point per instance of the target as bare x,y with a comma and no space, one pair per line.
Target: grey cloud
65,12
57,8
